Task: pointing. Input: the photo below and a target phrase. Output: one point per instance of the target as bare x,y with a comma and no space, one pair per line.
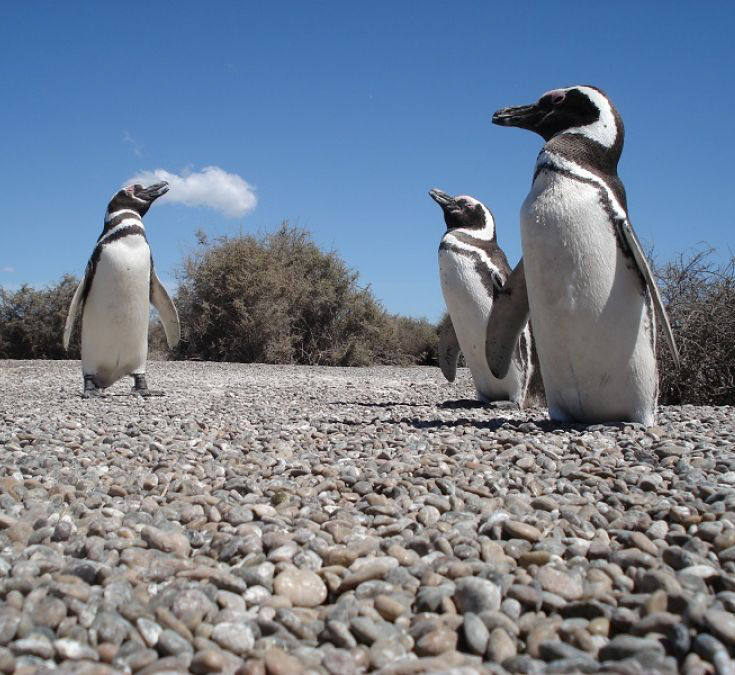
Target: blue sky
342,116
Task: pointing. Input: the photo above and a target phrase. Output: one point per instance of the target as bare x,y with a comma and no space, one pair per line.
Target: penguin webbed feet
91,390
140,387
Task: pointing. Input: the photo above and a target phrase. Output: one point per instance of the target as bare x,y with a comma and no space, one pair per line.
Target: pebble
235,637
302,587
472,594
266,519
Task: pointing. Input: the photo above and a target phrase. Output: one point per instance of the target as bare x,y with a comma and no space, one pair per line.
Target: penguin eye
558,98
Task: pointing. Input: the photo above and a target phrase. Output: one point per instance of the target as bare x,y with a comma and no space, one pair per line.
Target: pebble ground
272,519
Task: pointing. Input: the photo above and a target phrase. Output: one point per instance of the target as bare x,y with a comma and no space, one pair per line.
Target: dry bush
279,299
699,295
32,321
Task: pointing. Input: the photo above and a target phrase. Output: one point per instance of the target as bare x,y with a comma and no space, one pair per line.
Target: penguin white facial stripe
603,131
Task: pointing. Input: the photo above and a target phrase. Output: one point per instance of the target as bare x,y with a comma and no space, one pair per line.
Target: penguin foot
90,388
140,388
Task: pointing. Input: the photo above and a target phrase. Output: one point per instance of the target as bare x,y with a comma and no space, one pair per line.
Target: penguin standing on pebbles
473,269
114,296
585,280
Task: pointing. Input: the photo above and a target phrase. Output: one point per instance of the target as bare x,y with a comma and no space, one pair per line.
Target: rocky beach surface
273,519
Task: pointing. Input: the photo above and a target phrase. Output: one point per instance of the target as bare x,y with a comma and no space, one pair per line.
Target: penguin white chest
588,305
115,319
467,286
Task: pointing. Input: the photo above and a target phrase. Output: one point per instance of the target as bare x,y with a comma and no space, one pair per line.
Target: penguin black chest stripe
126,231
492,283
487,246
116,219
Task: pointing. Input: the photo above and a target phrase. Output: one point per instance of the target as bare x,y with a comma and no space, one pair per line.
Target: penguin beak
523,116
154,191
442,198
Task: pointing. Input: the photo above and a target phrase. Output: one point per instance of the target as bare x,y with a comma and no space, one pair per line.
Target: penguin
472,270
113,297
584,278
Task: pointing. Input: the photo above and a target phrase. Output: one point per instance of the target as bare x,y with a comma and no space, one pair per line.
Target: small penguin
114,296
473,269
584,277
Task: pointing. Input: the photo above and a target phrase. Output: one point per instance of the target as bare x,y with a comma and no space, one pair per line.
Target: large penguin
472,271
584,277
114,296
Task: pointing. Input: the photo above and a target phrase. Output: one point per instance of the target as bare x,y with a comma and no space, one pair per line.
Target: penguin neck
586,152
120,218
481,234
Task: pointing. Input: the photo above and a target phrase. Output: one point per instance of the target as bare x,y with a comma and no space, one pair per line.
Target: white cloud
8,270
212,187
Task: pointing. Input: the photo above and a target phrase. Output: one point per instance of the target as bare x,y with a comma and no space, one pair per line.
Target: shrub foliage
699,294
32,321
279,299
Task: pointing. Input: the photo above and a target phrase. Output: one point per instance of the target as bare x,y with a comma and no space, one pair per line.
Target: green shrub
32,321
279,299
699,295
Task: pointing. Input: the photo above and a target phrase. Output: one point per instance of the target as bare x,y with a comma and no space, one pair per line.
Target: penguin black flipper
631,240
449,350
161,300
507,320
75,306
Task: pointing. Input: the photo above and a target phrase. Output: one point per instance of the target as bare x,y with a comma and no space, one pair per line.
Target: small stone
150,631
170,643
529,558
556,581
107,651
49,612
9,620
476,633
436,642
7,661
191,606
721,625
472,594
33,646
389,608
168,542
625,646
72,649
514,529
235,637
385,651
207,661
500,646
302,587
278,662
364,569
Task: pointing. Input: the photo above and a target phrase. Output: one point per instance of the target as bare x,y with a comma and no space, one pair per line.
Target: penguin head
581,110
137,198
466,213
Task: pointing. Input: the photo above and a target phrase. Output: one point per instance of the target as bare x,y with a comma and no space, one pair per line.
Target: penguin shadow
383,404
535,422
473,403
